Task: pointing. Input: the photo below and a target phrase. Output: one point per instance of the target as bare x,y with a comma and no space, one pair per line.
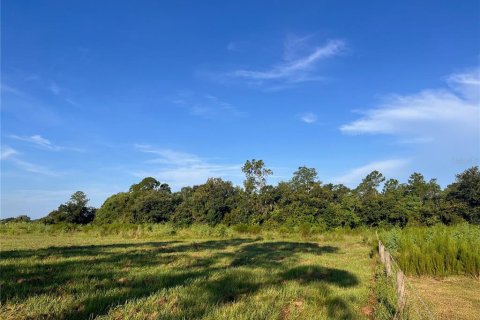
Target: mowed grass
78,276
453,297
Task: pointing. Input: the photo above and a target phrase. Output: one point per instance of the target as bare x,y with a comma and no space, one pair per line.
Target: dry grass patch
450,298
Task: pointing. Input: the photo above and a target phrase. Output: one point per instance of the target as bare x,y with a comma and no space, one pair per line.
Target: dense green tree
208,203
340,215
370,207
74,211
183,214
117,208
464,195
304,179
21,218
300,202
148,184
370,184
146,201
152,206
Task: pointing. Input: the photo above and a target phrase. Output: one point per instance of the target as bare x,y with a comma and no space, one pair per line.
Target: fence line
400,283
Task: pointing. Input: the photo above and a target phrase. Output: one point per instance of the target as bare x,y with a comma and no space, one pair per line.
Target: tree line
301,200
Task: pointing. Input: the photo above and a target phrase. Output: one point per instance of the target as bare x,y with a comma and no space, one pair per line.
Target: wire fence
409,304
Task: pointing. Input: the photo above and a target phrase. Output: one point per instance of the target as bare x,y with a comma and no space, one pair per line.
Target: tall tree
146,201
255,175
304,179
370,184
370,209
466,192
73,211
208,203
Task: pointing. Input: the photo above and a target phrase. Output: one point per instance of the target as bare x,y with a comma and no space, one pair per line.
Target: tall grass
439,250
199,231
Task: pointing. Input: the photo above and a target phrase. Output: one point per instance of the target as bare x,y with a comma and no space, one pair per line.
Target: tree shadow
101,270
307,274
208,245
99,303
338,308
78,251
273,254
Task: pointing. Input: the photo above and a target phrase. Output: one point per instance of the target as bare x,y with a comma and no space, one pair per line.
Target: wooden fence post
400,291
388,263
387,260
381,251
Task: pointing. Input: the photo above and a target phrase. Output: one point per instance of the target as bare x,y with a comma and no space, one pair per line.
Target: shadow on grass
307,274
78,251
100,276
273,254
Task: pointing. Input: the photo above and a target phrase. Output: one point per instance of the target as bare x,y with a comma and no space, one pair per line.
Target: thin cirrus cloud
11,155
43,143
390,167
62,93
181,169
299,65
34,168
9,89
205,105
308,118
8,152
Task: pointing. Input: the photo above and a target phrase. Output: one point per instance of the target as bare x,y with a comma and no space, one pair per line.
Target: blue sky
96,95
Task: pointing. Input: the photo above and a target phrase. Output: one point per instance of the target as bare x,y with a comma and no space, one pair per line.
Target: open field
450,298
79,276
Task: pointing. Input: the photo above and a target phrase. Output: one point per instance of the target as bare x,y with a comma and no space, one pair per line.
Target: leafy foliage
301,201
21,218
147,201
74,211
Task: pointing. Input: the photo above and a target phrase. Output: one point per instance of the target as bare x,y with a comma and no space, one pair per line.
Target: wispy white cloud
295,68
467,84
181,169
34,168
308,117
205,105
11,155
354,176
295,46
43,143
8,152
169,156
36,139
63,93
9,89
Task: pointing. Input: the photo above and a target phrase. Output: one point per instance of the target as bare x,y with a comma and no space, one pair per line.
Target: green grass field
79,275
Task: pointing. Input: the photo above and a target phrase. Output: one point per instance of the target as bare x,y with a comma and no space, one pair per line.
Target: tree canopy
73,211
301,200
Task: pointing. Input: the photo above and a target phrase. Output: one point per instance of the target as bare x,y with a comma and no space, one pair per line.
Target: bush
247,228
